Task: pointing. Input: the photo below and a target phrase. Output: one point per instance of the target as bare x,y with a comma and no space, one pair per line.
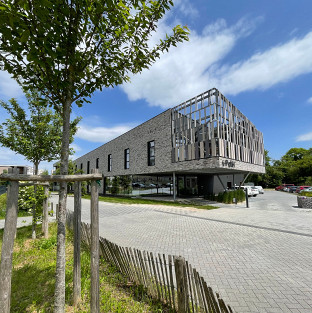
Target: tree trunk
34,215
59,300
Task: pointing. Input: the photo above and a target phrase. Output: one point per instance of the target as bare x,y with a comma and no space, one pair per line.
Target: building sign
228,163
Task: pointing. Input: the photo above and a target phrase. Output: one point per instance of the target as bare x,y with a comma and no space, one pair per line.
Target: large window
127,158
109,163
151,153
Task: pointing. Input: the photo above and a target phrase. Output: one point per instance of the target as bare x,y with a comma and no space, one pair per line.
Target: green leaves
36,135
74,48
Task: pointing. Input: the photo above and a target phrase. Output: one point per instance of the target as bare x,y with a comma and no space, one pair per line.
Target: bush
227,196
3,201
306,193
26,199
115,186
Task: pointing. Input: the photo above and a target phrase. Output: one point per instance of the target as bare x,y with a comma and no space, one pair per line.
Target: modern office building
205,144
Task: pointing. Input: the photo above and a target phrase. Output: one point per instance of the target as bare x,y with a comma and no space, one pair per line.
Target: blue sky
257,53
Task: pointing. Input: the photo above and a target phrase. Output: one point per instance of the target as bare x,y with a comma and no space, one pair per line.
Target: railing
169,279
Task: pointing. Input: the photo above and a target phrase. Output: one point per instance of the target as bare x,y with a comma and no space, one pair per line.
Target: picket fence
169,279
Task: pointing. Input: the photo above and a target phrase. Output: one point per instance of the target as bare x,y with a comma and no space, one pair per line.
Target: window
97,163
81,166
151,153
88,167
127,158
109,163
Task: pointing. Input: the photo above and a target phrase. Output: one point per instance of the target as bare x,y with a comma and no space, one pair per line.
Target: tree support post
95,248
7,247
45,218
77,240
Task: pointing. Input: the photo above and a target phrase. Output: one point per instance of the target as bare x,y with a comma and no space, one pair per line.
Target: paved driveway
257,258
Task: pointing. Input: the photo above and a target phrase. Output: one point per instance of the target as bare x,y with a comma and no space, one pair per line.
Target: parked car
292,189
251,191
261,190
299,188
281,187
306,189
138,185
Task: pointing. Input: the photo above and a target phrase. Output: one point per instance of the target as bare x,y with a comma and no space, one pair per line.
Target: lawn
33,279
135,200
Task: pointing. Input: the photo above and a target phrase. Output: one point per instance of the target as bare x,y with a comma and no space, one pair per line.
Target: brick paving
257,258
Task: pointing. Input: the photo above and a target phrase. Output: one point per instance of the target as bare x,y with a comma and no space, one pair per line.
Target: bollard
247,201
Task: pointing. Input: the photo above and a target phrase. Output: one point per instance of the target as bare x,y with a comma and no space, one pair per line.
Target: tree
36,136
69,49
125,183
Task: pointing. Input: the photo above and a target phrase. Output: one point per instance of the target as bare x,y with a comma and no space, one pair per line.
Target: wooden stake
45,217
7,247
95,249
77,241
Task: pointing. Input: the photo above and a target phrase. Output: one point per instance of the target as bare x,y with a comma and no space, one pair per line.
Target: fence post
95,247
7,247
77,240
56,211
180,271
45,218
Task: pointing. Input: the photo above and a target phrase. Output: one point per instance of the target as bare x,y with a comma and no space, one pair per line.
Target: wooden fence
169,279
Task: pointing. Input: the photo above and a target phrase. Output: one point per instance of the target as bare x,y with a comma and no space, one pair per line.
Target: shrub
306,193
3,199
227,196
26,199
115,186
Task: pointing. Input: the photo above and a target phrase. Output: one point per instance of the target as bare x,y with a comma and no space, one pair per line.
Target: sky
257,53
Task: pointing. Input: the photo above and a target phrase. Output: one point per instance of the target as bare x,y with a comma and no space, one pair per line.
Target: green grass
129,200
33,279
3,198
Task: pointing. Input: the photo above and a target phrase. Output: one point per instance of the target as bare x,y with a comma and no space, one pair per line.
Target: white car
261,190
251,191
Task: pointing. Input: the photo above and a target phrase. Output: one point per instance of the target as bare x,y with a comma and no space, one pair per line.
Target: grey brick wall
159,130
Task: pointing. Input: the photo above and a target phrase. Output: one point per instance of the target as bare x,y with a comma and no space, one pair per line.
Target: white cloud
264,70
9,157
9,87
195,66
101,134
305,137
182,72
75,147
186,8
309,100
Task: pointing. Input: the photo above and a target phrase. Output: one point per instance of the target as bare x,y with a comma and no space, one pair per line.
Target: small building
205,144
22,169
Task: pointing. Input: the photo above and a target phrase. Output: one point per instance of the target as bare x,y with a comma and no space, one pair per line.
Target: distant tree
125,182
69,49
115,186
72,170
37,135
